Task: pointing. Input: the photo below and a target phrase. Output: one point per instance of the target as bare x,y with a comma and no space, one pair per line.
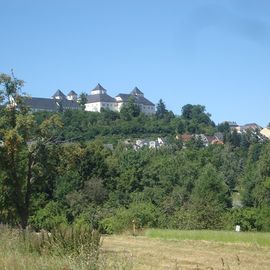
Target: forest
55,169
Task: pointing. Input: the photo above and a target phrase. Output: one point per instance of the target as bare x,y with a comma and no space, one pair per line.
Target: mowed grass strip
251,238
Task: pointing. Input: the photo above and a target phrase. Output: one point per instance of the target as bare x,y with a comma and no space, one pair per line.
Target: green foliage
130,109
142,214
83,99
64,240
197,120
49,217
256,239
55,168
250,219
161,110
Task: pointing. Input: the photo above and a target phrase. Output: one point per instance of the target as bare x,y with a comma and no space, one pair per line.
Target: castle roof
48,104
72,93
99,87
137,99
59,93
99,98
136,92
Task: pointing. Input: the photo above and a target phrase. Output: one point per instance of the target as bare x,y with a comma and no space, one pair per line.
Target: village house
265,132
142,143
217,138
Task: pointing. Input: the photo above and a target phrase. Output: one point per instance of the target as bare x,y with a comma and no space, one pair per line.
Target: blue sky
214,53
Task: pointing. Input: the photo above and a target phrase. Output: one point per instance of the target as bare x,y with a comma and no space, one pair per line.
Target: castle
97,100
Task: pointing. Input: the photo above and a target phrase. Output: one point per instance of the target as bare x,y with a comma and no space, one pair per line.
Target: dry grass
62,250
145,253
126,252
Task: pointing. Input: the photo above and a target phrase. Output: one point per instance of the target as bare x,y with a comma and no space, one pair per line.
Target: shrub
250,219
71,240
49,217
143,214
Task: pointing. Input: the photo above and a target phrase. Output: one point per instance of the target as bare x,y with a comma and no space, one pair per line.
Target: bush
143,214
250,219
77,247
49,217
71,240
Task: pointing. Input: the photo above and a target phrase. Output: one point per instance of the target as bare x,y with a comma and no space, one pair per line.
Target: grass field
155,249
201,250
251,238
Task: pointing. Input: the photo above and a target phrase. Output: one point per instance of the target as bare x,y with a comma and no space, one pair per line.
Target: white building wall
96,107
109,105
116,106
144,108
148,109
93,107
119,106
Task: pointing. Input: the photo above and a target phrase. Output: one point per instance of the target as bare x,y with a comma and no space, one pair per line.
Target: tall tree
209,198
83,99
23,142
130,109
161,109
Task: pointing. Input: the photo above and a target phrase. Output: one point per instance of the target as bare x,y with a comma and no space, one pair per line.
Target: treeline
54,169
84,126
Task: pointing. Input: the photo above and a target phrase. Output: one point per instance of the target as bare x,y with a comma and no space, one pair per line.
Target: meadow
250,238
152,249
200,250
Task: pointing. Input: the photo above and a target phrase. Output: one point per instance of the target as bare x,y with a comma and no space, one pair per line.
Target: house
141,143
265,132
251,127
153,144
99,99
145,143
205,139
161,141
156,144
145,105
184,137
232,125
58,102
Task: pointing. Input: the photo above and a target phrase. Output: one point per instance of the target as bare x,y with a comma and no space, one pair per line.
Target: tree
130,109
187,111
224,127
161,109
23,143
83,99
209,198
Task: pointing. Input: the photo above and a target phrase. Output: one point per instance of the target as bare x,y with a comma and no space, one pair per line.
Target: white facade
93,107
99,99
96,106
147,109
265,132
